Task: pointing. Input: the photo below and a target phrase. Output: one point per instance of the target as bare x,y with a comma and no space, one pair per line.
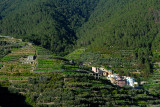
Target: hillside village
47,79
115,79
31,60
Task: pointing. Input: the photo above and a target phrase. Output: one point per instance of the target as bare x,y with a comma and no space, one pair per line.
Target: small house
97,70
30,58
102,71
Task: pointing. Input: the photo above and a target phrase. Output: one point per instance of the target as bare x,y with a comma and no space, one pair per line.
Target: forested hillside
127,23
103,26
124,25
51,24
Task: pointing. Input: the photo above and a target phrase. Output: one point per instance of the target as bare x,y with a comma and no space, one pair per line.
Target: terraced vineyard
80,89
50,80
15,60
120,60
47,61
153,84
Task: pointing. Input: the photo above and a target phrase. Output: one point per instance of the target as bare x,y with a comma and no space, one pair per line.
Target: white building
97,70
130,81
114,76
30,58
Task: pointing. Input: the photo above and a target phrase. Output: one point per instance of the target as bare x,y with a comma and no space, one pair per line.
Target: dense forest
51,24
102,26
124,25
58,25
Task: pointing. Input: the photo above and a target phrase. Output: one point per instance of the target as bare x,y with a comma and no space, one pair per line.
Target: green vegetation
1,65
109,27
47,61
121,35
11,58
126,32
123,26
71,86
43,52
51,24
79,89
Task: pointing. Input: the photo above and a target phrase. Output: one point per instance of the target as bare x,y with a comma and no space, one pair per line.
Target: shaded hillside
8,99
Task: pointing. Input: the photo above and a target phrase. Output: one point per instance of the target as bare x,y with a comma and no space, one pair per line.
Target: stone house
28,60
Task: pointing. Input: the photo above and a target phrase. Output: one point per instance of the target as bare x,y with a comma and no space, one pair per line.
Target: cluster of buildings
115,79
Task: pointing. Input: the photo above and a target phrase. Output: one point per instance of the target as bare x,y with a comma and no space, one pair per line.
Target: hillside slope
127,23
102,26
68,86
122,25
51,24
57,25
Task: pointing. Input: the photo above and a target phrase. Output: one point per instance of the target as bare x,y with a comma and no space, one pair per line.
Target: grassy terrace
120,61
70,87
13,78
75,54
23,51
46,63
1,65
8,58
42,51
11,60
